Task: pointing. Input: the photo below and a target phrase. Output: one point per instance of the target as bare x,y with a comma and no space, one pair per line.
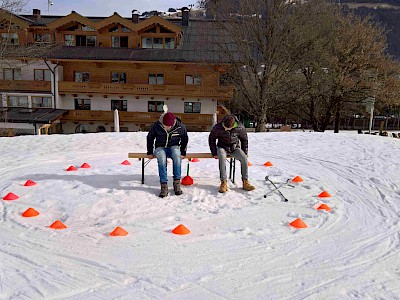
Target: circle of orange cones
180,229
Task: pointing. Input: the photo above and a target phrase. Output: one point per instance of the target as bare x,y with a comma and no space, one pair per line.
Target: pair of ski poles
276,188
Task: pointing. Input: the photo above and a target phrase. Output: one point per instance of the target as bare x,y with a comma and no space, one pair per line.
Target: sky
104,7
240,245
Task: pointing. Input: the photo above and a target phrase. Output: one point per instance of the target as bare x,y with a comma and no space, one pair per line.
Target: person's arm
212,142
184,140
150,140
244,141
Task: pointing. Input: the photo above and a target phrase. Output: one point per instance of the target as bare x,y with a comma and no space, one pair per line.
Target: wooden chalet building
104,63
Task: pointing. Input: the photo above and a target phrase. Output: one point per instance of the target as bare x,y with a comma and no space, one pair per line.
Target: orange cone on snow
30,212
324,194
268,164
297,179
30,183
58,225
181,230
187,180
126,163
195,160
119,231
10,196
298,223
324,206
85,166
249,164
72,168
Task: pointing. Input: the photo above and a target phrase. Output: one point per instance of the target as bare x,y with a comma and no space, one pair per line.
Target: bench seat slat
188,155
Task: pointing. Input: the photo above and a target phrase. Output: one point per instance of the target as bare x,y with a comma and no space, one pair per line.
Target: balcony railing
65,87
140,118
25,86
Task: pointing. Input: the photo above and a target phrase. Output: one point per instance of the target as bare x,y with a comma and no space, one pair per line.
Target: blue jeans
161,154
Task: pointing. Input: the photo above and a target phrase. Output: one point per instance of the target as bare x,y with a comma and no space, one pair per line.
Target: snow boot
177,187
223,188
247,186
164,190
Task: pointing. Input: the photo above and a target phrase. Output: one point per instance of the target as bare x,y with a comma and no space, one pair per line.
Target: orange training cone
297,179
30,212
324,206
268,164
187,180
58,225
72,168
119,231
85,166
298,223
30,183
126,163
181,230
195,160
10,196
249,164
324,194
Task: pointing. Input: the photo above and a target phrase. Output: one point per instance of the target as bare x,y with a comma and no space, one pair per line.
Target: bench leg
142,170
234,170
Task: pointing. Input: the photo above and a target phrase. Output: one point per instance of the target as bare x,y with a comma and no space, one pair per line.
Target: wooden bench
143,156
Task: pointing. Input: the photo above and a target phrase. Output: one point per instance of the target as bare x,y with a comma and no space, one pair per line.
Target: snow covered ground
240,245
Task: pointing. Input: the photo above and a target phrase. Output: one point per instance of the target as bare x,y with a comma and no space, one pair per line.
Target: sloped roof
70,18
33,115
198,45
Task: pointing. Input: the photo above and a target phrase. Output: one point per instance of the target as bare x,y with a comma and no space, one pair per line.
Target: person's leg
222,170
242,157
222,163
175,154
161,156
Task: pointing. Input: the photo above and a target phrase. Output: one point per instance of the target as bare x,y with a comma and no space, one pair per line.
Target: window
118,77
82,77
119,41
193,79
158,43
156,78
86,40
87,28
113,29
69,40
82,104
12,74
42,75
41,101
17,101
155,106
121,105
73,28
124,29
42,37
169,43
10,39
192,107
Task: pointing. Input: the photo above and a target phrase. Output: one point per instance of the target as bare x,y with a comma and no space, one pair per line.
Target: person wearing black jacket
168,138
232,140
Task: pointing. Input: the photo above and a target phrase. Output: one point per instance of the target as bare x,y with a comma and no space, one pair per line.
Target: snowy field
240,246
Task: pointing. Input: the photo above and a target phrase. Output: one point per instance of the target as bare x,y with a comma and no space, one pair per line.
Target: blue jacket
159,137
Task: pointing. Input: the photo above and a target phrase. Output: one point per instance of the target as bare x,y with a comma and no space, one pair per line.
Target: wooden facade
118,32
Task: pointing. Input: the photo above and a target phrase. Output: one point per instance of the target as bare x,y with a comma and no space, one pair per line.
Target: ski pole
276,188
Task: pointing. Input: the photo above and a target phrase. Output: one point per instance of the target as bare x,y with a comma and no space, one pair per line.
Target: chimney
135,16
185,16
36,13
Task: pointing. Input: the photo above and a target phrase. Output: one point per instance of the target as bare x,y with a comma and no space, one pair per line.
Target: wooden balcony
139,118
25,86
222,93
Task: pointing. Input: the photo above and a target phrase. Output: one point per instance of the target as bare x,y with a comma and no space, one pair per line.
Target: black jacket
228,139
159,137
